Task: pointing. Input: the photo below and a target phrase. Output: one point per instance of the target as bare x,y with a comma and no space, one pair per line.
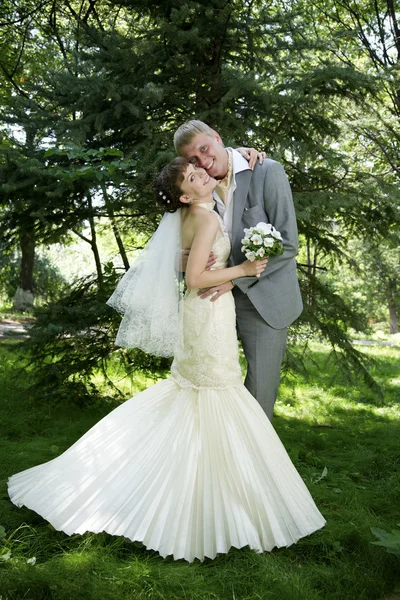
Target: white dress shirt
226,210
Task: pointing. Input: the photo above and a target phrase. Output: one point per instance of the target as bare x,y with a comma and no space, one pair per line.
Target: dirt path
13,329
19,331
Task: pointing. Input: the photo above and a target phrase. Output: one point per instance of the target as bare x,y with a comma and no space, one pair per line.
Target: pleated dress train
190,467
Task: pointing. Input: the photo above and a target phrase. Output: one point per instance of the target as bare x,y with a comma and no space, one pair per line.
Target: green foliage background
93,91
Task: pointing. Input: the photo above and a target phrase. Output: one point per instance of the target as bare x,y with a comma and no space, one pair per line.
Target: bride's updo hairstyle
166,186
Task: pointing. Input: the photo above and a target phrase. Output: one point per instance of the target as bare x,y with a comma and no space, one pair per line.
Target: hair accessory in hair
160,193
168,201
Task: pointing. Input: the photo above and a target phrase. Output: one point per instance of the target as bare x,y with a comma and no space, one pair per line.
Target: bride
191,466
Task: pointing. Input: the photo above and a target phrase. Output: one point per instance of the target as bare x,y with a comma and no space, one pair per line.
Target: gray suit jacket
265,195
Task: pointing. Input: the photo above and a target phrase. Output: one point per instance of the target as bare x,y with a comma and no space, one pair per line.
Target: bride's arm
205,226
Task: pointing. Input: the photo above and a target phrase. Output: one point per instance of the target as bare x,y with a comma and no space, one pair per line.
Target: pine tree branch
23,17
306,267
84,238
53,15
356,19
368,133
53,26
91,10
326,188
364,39
79,20
25,36
11,80
116,17
88,12
381,32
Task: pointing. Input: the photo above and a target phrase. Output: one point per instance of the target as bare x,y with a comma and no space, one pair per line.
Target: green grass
343,440
7,312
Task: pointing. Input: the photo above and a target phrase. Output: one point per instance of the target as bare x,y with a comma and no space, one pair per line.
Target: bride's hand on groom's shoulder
252,155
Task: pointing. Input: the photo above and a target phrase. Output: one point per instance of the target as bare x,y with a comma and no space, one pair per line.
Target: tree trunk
391,296
115,229
93,243
394,324
314,274
311,269
96,253
24,296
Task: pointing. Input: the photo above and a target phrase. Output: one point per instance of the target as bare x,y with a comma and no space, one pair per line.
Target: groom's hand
212,259
215,292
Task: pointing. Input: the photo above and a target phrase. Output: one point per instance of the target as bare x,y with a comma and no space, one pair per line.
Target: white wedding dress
189,467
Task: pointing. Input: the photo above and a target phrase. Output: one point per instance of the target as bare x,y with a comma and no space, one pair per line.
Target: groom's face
209,153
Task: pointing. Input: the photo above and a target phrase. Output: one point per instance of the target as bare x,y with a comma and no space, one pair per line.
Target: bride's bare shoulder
197,221
199,216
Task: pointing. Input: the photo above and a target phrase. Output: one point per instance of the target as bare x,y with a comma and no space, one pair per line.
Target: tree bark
119,242
391,296
394,324
93,243
311,269
115,229
24,296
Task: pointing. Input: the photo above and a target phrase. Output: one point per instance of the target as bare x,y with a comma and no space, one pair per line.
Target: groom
244,197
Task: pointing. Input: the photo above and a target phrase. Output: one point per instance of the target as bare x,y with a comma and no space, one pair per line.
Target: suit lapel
239,200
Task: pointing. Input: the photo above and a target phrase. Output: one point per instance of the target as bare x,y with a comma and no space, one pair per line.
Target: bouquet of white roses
261,241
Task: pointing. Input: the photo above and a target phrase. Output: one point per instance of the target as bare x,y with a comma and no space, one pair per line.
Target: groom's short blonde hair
186,132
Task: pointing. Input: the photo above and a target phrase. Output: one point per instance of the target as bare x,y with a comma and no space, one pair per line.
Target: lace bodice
209,356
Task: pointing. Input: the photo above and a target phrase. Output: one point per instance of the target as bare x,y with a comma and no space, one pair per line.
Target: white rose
247,233
264,227
268,242
261,252
250,256
243,248
256,239
276,234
